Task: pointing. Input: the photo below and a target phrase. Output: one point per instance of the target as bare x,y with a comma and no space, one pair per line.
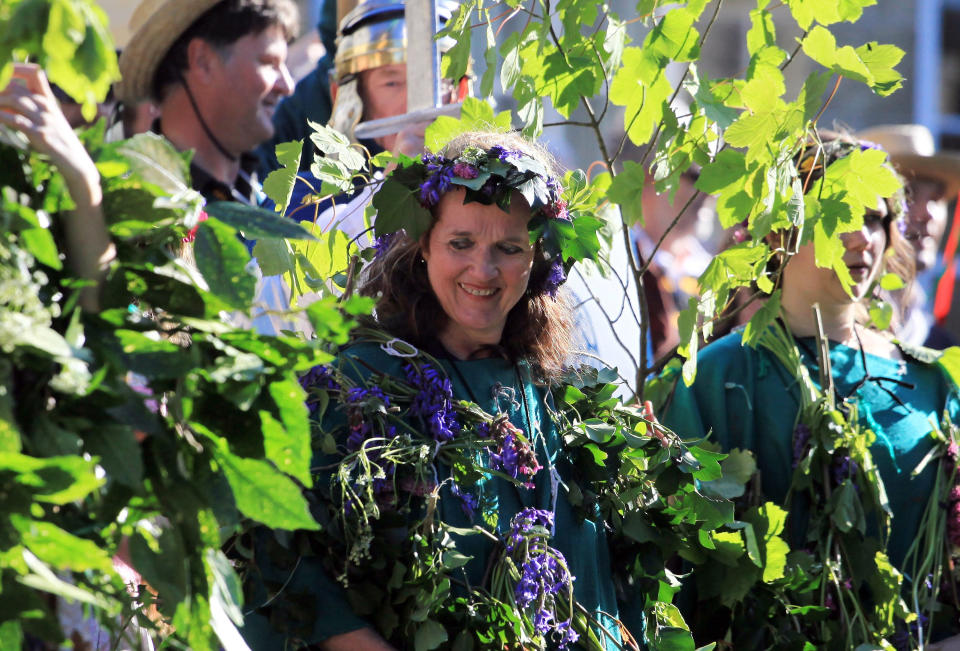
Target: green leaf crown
489,177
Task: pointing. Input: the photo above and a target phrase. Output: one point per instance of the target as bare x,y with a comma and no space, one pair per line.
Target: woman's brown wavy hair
539,328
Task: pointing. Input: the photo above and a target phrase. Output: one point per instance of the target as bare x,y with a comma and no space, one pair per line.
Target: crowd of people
487,305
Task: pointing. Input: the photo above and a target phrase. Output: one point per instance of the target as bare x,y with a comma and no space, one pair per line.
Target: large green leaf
279,183
256,222
287,441
60,549
54,480
223,259
265,494
474,114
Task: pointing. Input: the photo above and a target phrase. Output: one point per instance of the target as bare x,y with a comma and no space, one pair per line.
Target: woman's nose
485,265
857,239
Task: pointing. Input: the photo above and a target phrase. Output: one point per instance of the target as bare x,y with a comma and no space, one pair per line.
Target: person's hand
949,644
29,106
364,639
410,140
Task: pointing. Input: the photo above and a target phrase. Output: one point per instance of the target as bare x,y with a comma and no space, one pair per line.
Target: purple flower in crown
319,377
439,176
555,277
360,428
465,171
383,243
867,145
468,501
502,153
566,635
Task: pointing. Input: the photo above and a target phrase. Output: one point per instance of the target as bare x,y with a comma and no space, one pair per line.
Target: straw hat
914,154
155,25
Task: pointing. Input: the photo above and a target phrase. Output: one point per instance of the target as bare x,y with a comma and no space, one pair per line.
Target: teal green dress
499,387
746,399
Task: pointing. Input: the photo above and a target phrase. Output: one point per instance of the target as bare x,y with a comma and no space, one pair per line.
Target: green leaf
222,259
53,480
256,223
642,88
60,549
762,319
737,469
119,453
287,441
626,190
429,635
334,144
154,160
398,208
279,183
9,431
675,36
474,114
264,494
39,242
891,282
273,256
881,314
880,61
43,579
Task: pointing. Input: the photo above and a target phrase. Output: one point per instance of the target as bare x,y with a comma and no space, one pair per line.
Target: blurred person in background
217,71
932,179
369,83
676,253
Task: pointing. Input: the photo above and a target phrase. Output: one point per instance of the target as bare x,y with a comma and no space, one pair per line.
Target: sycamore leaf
336,145
626,190
762,33
474,114
762,93
708,99
880,61
279,183
642,88
675,36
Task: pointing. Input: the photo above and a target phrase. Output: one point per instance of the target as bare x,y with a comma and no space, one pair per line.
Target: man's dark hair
221,26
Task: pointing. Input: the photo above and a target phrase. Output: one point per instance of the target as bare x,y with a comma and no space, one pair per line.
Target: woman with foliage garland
852,433
442,497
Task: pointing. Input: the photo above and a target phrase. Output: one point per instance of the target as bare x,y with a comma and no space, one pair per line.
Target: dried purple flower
465,171
513,454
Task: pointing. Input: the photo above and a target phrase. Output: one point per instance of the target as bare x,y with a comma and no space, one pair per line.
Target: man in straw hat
932,179
217,70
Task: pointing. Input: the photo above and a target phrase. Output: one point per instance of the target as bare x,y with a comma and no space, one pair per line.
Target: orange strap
944,295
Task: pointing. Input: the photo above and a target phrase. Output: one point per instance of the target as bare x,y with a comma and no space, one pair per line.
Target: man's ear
202,59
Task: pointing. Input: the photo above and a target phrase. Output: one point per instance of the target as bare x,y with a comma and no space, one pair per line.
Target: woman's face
863,255
478,263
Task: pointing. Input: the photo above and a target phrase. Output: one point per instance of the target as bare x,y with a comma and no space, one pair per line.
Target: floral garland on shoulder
398,442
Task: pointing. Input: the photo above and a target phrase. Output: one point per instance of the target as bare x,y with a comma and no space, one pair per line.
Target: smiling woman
444,483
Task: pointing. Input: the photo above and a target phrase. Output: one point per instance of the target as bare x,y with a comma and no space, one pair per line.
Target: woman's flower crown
489,177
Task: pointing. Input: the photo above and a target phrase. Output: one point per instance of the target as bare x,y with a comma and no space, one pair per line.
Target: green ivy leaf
429,635
279,183
642,88
398,208
762,319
